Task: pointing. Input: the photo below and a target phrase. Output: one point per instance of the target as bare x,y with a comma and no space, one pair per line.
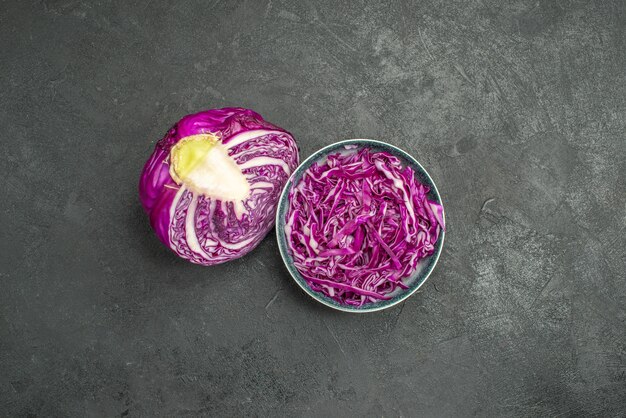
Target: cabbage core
202,164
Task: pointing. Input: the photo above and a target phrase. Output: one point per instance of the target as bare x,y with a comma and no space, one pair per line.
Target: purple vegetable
358,224
212,183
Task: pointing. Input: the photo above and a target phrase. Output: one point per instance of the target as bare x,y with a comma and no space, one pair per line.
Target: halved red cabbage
212,183
358,223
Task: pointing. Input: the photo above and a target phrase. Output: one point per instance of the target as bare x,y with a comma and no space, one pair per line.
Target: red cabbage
358,224
212,183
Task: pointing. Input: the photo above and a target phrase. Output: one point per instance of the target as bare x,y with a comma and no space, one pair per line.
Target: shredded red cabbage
358,224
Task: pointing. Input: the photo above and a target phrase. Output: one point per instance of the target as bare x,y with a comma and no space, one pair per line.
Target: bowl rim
288,261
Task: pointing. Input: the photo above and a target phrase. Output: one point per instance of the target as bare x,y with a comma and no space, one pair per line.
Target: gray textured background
518,111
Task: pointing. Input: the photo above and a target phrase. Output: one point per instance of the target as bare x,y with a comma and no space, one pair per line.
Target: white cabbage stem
202,164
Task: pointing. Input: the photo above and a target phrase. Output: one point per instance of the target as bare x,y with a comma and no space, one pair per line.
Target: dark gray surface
517,111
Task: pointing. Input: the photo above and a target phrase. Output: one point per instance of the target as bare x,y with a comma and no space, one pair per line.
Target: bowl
425,266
